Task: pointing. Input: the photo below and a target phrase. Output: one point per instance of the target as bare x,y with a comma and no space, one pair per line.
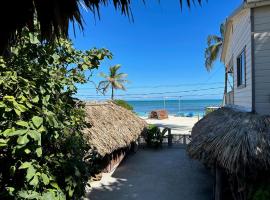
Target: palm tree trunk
112,94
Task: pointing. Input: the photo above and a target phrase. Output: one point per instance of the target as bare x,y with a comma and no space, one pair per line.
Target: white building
246,54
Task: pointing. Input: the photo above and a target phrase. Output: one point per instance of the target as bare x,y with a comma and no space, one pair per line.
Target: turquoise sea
174,107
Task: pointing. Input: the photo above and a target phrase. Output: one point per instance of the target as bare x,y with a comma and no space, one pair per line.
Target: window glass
241,69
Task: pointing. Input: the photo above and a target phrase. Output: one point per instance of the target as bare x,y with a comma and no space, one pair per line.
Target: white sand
179,125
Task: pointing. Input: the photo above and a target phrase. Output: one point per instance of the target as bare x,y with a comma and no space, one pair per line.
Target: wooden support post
170,137
218,183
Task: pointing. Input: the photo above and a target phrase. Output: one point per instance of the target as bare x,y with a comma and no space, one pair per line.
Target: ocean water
174,107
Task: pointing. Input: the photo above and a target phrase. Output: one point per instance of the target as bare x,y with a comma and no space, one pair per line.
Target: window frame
239,70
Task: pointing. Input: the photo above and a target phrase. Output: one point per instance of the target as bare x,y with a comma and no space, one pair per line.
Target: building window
241,69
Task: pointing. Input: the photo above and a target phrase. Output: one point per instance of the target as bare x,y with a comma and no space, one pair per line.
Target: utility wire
162,86
159,93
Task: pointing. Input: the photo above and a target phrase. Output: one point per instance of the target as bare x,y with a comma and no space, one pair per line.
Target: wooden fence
171,139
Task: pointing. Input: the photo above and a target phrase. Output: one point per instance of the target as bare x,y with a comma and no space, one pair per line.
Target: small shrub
154,136
123,104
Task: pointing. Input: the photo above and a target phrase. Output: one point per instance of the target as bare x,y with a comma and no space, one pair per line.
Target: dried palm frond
54,16
232,139
111,127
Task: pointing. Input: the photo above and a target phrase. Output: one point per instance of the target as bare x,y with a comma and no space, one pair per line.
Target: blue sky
162,51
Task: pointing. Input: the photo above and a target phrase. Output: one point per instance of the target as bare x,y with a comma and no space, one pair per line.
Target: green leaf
27,151
37,121
10,132
36,99
21,107
39,152
2,104
9,98
30,173
25,165
18,112
29,194
42,90
45,179
22,140
3,142
55,185
22,123
52,121
35,135
10,190
29,105
34,181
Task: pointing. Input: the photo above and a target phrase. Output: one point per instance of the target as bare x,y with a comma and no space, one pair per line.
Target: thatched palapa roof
234,140
112,127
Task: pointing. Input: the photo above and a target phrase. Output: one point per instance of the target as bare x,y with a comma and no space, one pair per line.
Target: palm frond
54,16
118,85
114,69
213,39
211,55
121,76
103,86
103,75
213,50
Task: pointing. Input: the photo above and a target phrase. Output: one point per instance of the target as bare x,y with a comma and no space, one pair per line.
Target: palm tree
213,52
114,80
214,47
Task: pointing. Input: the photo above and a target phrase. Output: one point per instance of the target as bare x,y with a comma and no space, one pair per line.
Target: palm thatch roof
54,16
111,127
234,140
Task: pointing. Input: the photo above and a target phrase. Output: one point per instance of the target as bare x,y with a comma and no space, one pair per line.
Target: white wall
262,59
240,37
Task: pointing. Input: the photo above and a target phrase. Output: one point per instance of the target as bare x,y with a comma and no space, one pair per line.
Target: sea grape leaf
45,179
25,165
22,123
36,99
10,132
37,121
22,140
30,173
34,181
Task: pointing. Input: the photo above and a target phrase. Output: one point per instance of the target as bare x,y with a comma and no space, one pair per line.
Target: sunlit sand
179,125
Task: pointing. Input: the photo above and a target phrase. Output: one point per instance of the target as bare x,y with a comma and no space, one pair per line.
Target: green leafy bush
153,136
42,148
123,104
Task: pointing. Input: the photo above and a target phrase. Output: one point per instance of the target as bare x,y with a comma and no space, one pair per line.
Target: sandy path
166,174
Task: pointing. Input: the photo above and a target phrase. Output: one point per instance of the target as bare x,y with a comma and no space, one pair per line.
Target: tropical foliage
113,80
154,137
214,47
124,104
42,149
